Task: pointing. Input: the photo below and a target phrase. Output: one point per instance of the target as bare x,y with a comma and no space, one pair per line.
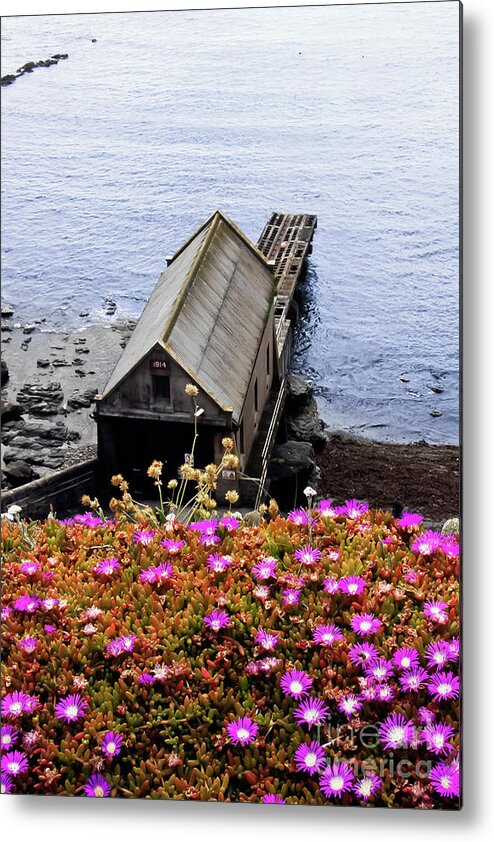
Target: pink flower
365,624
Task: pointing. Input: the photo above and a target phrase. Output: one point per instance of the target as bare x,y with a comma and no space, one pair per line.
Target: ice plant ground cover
312,659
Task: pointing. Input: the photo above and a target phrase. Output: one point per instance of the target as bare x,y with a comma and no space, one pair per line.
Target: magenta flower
89,629
143,536
446,780
14,763
273,799
5,612
296,683
217,620
27,603
352,585
384,692
261,591
266,640
327,635
230,523
412,680
438,653
454,648
436,610
450,546
307,555
405,658
112,744
352,509
106,566
147,679
242,731
309,758
291,596
155,575
425,715
311,712
336,779
409,520
444,685
124,643
71,708
219,563
368,786
411,575
30,567
300,517
49,629
92,612
49,603
269,664
207,528
326,508
265,569
9,736
349,705
28,644
436,736
14,705
396,732
378,669
171,546
97,787
330,585
6,784
361,652
426,543
365,624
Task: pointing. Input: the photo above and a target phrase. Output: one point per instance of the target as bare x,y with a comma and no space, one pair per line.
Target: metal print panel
230,405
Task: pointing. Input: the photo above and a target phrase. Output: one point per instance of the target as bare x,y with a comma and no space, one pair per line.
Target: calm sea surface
112,158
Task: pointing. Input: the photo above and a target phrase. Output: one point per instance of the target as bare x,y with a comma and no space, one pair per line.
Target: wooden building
210,321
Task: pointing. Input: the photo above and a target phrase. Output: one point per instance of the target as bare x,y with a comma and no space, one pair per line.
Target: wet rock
7,311
435,413
437,389
290,459
29,329
80,372
81,401
78,361
300,392
59,362
19,473
4,372
8,79
84,313
10,412
39,400
307,426
43,363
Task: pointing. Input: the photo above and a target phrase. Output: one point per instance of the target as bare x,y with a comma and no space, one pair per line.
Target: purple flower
352,585
309,758
436,736
97,787
426,543
443,685
349,705
412,680
230,523
217,620
219,563
352,509
365,624
336,779
425,715
409,520
30,567
146,679
411,575
7,783
112,744
379,669
330,585
266,640
143,536
28,644
361,652
9,736
87,519
71,708
269,664
405,658
326,508
14,763
395,731
327,635
157,574
207,528
454,648
124,643
291,596
384,692
296,683
446,779
261,591
27,603
436,610
438,653
273,799
242,731
300,517
171,546
49,603
14,705
368,786
307,555
106,566
265,569
6,612
311,712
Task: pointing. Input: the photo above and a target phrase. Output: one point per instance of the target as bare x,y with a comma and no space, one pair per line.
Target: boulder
291,459
4,372
7,80
43,363
10,412
306,425
7,311
19,472
299,393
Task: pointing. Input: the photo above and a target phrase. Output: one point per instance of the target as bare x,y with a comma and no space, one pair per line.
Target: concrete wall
62,490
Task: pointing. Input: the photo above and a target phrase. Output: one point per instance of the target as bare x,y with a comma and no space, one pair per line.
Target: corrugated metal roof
208,310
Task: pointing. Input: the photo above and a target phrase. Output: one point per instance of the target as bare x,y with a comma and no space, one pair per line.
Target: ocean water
112,158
